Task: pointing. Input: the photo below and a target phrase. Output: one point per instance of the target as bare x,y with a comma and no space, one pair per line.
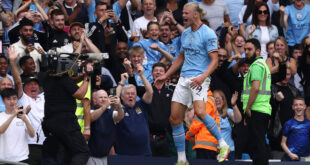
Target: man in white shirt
30,98
14,125
140,24
26,46
80,43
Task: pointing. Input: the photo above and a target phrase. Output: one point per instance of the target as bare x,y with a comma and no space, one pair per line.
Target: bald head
100,97
5,83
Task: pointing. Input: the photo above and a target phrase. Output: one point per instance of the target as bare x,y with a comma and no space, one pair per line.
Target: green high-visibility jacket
261,104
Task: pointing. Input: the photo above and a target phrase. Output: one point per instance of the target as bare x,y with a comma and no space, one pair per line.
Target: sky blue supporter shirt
226,130
197,1
2,105
174,47
196,47
234,7
298,24
117,9
151,56
91,12
298,134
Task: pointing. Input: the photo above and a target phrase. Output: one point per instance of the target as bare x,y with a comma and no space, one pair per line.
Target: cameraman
60,124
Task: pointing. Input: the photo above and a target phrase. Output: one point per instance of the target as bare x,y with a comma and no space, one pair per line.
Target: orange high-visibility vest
203,138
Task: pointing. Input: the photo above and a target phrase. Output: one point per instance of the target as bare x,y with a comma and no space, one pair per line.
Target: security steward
256,96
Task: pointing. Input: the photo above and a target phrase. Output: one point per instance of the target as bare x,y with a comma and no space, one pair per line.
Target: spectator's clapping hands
12,53
144,33
233,31
252,29
140,69
234,98
171,17
134,37
128,66
235,57
154,46
83,35
277,56
124,77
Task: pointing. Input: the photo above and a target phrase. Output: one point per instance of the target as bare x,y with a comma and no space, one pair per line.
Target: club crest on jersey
299,15
138,110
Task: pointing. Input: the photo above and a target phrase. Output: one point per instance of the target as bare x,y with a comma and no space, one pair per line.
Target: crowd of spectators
124,111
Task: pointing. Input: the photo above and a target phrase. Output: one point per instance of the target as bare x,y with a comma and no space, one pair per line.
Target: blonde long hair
196,8
223,110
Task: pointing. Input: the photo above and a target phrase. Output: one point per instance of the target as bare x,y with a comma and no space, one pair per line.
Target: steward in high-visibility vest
80,108
203,138
256,96
261,103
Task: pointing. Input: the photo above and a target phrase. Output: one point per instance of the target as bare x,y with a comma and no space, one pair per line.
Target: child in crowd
155,50
296,133
136,57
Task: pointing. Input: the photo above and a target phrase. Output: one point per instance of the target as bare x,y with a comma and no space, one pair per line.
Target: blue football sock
212,126
179,137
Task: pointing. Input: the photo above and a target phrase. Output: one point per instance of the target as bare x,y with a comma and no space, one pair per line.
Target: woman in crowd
270,48
236,47
175,6
296,20
245,15
227,115
281,55
261,28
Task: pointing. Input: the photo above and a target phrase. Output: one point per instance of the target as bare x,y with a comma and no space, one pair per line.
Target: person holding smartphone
107,30
106,112
27,45
14,125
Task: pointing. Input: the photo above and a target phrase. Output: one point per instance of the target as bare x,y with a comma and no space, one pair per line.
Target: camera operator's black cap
25,22
30,78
